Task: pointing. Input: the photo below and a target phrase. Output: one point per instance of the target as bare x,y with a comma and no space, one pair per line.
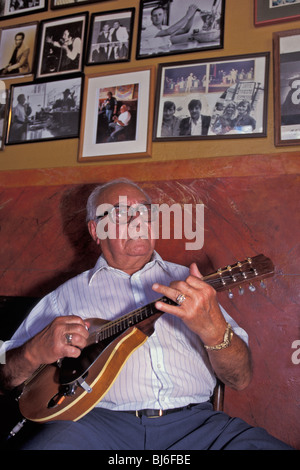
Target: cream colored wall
241,37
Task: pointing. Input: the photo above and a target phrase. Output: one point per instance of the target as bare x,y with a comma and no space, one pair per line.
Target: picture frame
3,113
12,8
110,37
18,50
48,109
176,27
62,45
286,87
117,94
220,98
58,4
268,12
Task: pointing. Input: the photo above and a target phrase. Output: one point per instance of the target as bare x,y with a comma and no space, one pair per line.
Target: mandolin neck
225,278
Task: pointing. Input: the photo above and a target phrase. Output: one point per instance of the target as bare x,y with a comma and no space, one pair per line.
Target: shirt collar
102,264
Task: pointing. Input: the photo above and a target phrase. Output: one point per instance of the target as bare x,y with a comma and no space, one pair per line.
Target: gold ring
180,299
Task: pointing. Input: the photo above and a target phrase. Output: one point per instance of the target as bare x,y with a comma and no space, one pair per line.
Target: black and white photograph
44,110
62,45
174,27
55,4
224,98
17,50
110,37
287,87
3,113
117,115
12,8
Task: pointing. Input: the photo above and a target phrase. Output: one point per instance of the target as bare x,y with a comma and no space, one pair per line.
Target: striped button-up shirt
171,369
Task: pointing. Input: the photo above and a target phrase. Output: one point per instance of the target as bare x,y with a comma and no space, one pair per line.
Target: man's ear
92,226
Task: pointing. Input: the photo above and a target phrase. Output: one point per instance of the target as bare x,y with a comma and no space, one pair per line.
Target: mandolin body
101,374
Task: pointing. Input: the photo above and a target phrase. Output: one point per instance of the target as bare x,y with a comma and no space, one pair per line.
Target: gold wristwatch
226,341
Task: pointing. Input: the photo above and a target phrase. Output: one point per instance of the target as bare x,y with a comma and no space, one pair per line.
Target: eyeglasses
125,214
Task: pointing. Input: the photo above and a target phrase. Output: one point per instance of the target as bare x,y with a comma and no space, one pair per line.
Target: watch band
226,341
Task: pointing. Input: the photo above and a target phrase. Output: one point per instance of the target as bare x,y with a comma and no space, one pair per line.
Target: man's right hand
51,343
46,347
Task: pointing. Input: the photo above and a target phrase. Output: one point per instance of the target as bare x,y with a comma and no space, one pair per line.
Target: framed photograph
275,11
117,115
169,27
44,110
110,37
212,99
12,8
17,50
287,87
62,45
55,4
3,113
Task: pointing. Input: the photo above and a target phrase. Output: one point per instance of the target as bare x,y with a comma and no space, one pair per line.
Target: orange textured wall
44,241
251,192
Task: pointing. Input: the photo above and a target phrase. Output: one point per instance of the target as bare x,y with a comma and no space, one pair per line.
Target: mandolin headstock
243,272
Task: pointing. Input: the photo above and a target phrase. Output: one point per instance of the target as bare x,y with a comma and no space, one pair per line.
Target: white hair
93,200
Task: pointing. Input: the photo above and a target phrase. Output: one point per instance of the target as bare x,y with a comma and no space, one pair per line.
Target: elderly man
172,375
119,123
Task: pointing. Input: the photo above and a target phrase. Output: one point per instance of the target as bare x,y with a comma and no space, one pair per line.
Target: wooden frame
134,89
212,99
269,12
11,8
44,110
176,27
287,87
10,38
3,113
110,37
62,45
58,4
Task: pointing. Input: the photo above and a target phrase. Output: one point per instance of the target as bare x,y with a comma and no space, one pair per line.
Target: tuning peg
230,294
263,285
252,288
241,290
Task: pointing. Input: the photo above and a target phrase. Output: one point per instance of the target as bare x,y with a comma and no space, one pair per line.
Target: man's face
195,112
18,41
157,17
168,114
126,246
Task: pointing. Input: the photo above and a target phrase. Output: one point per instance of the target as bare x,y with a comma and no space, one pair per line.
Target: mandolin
71,387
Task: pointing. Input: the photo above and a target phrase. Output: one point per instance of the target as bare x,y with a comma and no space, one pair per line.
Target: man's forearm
16,370
232,365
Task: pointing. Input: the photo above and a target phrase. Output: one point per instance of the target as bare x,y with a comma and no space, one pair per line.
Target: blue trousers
197,428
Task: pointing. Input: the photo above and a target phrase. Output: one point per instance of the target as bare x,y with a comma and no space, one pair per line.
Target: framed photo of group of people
210,99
